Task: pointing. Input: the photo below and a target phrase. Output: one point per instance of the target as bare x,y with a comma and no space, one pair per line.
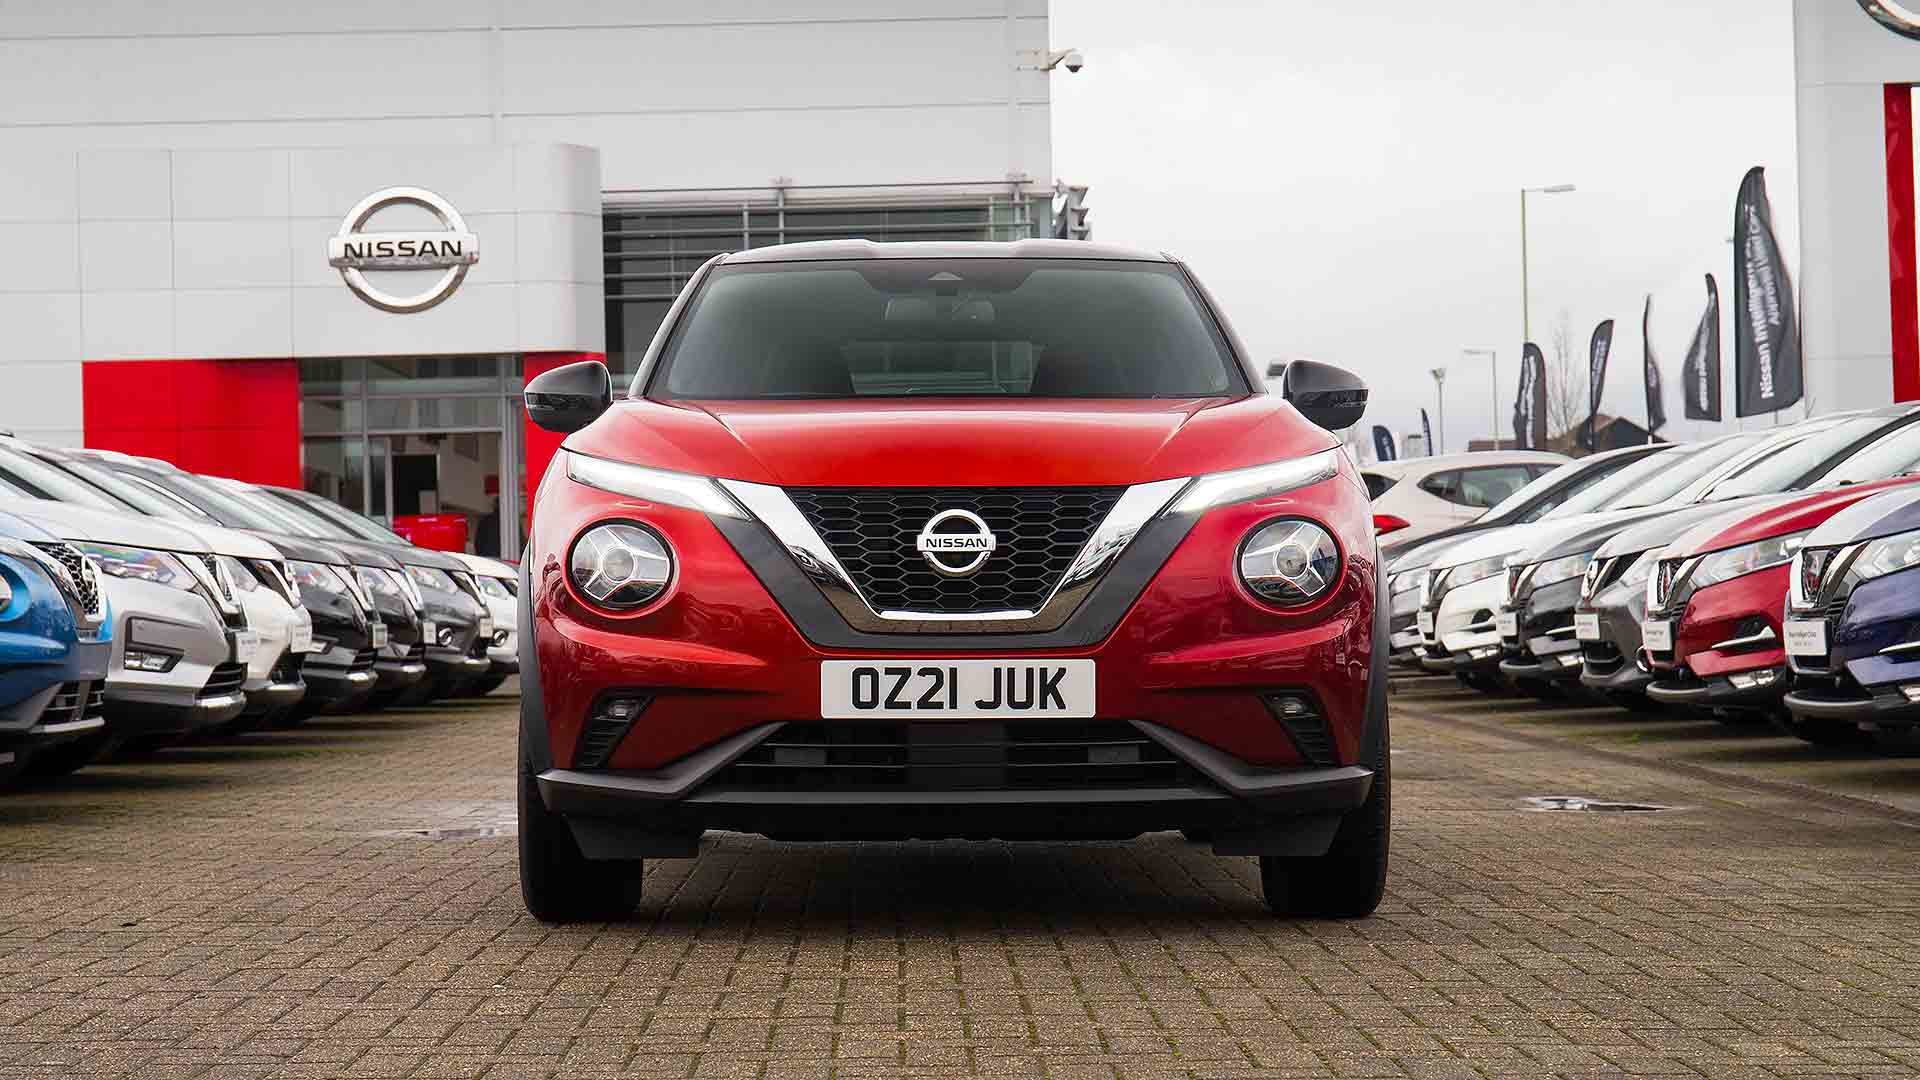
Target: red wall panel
1900,243
238,418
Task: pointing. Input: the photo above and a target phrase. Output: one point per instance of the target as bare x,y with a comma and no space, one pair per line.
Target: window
1053,328
1443,485
1378,484
1488,485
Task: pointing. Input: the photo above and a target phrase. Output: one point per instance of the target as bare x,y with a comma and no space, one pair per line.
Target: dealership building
325,245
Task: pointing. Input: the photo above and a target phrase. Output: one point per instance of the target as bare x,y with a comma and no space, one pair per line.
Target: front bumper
1887,710
1248,809
1465,638
340,678
1720,691
203,688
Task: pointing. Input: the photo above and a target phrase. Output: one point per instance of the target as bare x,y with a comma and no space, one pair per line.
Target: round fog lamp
1289,563
620,566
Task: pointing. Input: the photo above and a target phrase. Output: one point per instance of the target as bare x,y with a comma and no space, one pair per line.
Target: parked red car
951,540
1716,600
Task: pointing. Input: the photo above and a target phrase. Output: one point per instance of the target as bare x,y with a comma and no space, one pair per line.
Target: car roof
822,250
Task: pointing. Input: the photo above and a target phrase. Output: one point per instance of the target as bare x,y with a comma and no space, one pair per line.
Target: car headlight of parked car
1886,555
654,485
1289,562
1746,559
382,585
620,566
318,577
432,577
1642,569
238,576
1477,570
1404,591
140,564
1564,568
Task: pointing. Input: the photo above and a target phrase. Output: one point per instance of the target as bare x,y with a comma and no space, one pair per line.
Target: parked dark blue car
55,644
1853,619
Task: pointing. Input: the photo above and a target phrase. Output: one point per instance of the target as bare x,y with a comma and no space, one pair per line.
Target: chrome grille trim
775,510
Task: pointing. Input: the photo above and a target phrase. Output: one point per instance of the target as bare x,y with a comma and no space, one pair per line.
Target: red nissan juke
928,540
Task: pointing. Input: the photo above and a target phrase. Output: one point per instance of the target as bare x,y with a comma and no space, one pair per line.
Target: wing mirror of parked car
1330,396
569,398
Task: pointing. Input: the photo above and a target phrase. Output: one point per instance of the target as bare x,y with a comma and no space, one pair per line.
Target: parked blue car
55,644
1853,618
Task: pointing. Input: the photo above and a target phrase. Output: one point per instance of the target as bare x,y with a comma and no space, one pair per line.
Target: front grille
1037,532
225,679
73,701
950,755
417,651
478,650
84,580
213,573
287,668
362,661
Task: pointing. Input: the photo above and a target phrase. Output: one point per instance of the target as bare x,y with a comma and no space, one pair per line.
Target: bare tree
1566,383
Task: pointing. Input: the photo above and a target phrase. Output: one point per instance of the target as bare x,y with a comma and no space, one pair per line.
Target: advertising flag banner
1700,372
1766,329
1650,366
1426,431
1382,443
1529,403
1597,351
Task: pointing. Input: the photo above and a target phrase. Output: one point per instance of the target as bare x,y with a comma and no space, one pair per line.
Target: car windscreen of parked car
1897,454
1788,465
998,328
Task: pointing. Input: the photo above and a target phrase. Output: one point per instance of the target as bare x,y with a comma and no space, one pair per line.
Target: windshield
1033,328
1646,481
360,527
43,481
299,519
1785,468
141,498
226,507
1890,455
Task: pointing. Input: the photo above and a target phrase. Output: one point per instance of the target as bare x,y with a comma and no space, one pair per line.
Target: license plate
429,631
1657,635
1586,625
1807,637
1425,621
486,628
956,689
245,644
1507,623
378,636
301,639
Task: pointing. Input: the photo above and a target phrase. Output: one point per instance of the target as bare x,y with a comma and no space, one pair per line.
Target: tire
557,883
1350,879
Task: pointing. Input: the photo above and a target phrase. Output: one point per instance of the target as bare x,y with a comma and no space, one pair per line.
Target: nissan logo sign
448,251
955,542
1894,16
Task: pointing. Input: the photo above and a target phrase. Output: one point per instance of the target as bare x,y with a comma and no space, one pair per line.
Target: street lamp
1440,391
1526,300
1493,380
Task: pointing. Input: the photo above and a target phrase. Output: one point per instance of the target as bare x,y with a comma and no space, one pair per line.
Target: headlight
1886,555
1564,568
654,485
238,575
380,583
1289,563
1745,559
1403,590
1477,570
432,577
140,564
1642,569
620,566
1241,485
319,577
494,588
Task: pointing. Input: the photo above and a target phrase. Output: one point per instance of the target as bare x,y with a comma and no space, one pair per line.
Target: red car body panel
722,658
955,442
1715,614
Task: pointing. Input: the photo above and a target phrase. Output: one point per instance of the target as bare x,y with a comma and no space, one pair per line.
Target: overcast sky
1344,176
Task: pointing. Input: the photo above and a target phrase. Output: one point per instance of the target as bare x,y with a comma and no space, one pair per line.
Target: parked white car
1419,496
500,586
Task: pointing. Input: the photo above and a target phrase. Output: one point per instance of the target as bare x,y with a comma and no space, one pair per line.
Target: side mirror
569,398
1332,397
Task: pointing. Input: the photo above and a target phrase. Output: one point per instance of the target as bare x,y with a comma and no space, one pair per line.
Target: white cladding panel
1843,61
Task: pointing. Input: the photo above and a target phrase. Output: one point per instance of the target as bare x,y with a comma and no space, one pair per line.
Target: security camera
1074,60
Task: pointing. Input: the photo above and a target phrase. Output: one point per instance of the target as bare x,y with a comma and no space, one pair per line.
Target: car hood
307,549
70,522
1501,541
484,566
1891,511
1748,524
373,553
15,527
1553,539
910,442
235,542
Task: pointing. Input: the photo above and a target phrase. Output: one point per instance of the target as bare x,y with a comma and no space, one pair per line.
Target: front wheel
1350,879
559,884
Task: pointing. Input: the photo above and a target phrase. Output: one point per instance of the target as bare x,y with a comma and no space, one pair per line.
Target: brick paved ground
249,911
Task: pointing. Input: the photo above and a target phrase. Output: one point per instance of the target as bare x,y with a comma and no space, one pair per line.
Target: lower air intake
612,717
